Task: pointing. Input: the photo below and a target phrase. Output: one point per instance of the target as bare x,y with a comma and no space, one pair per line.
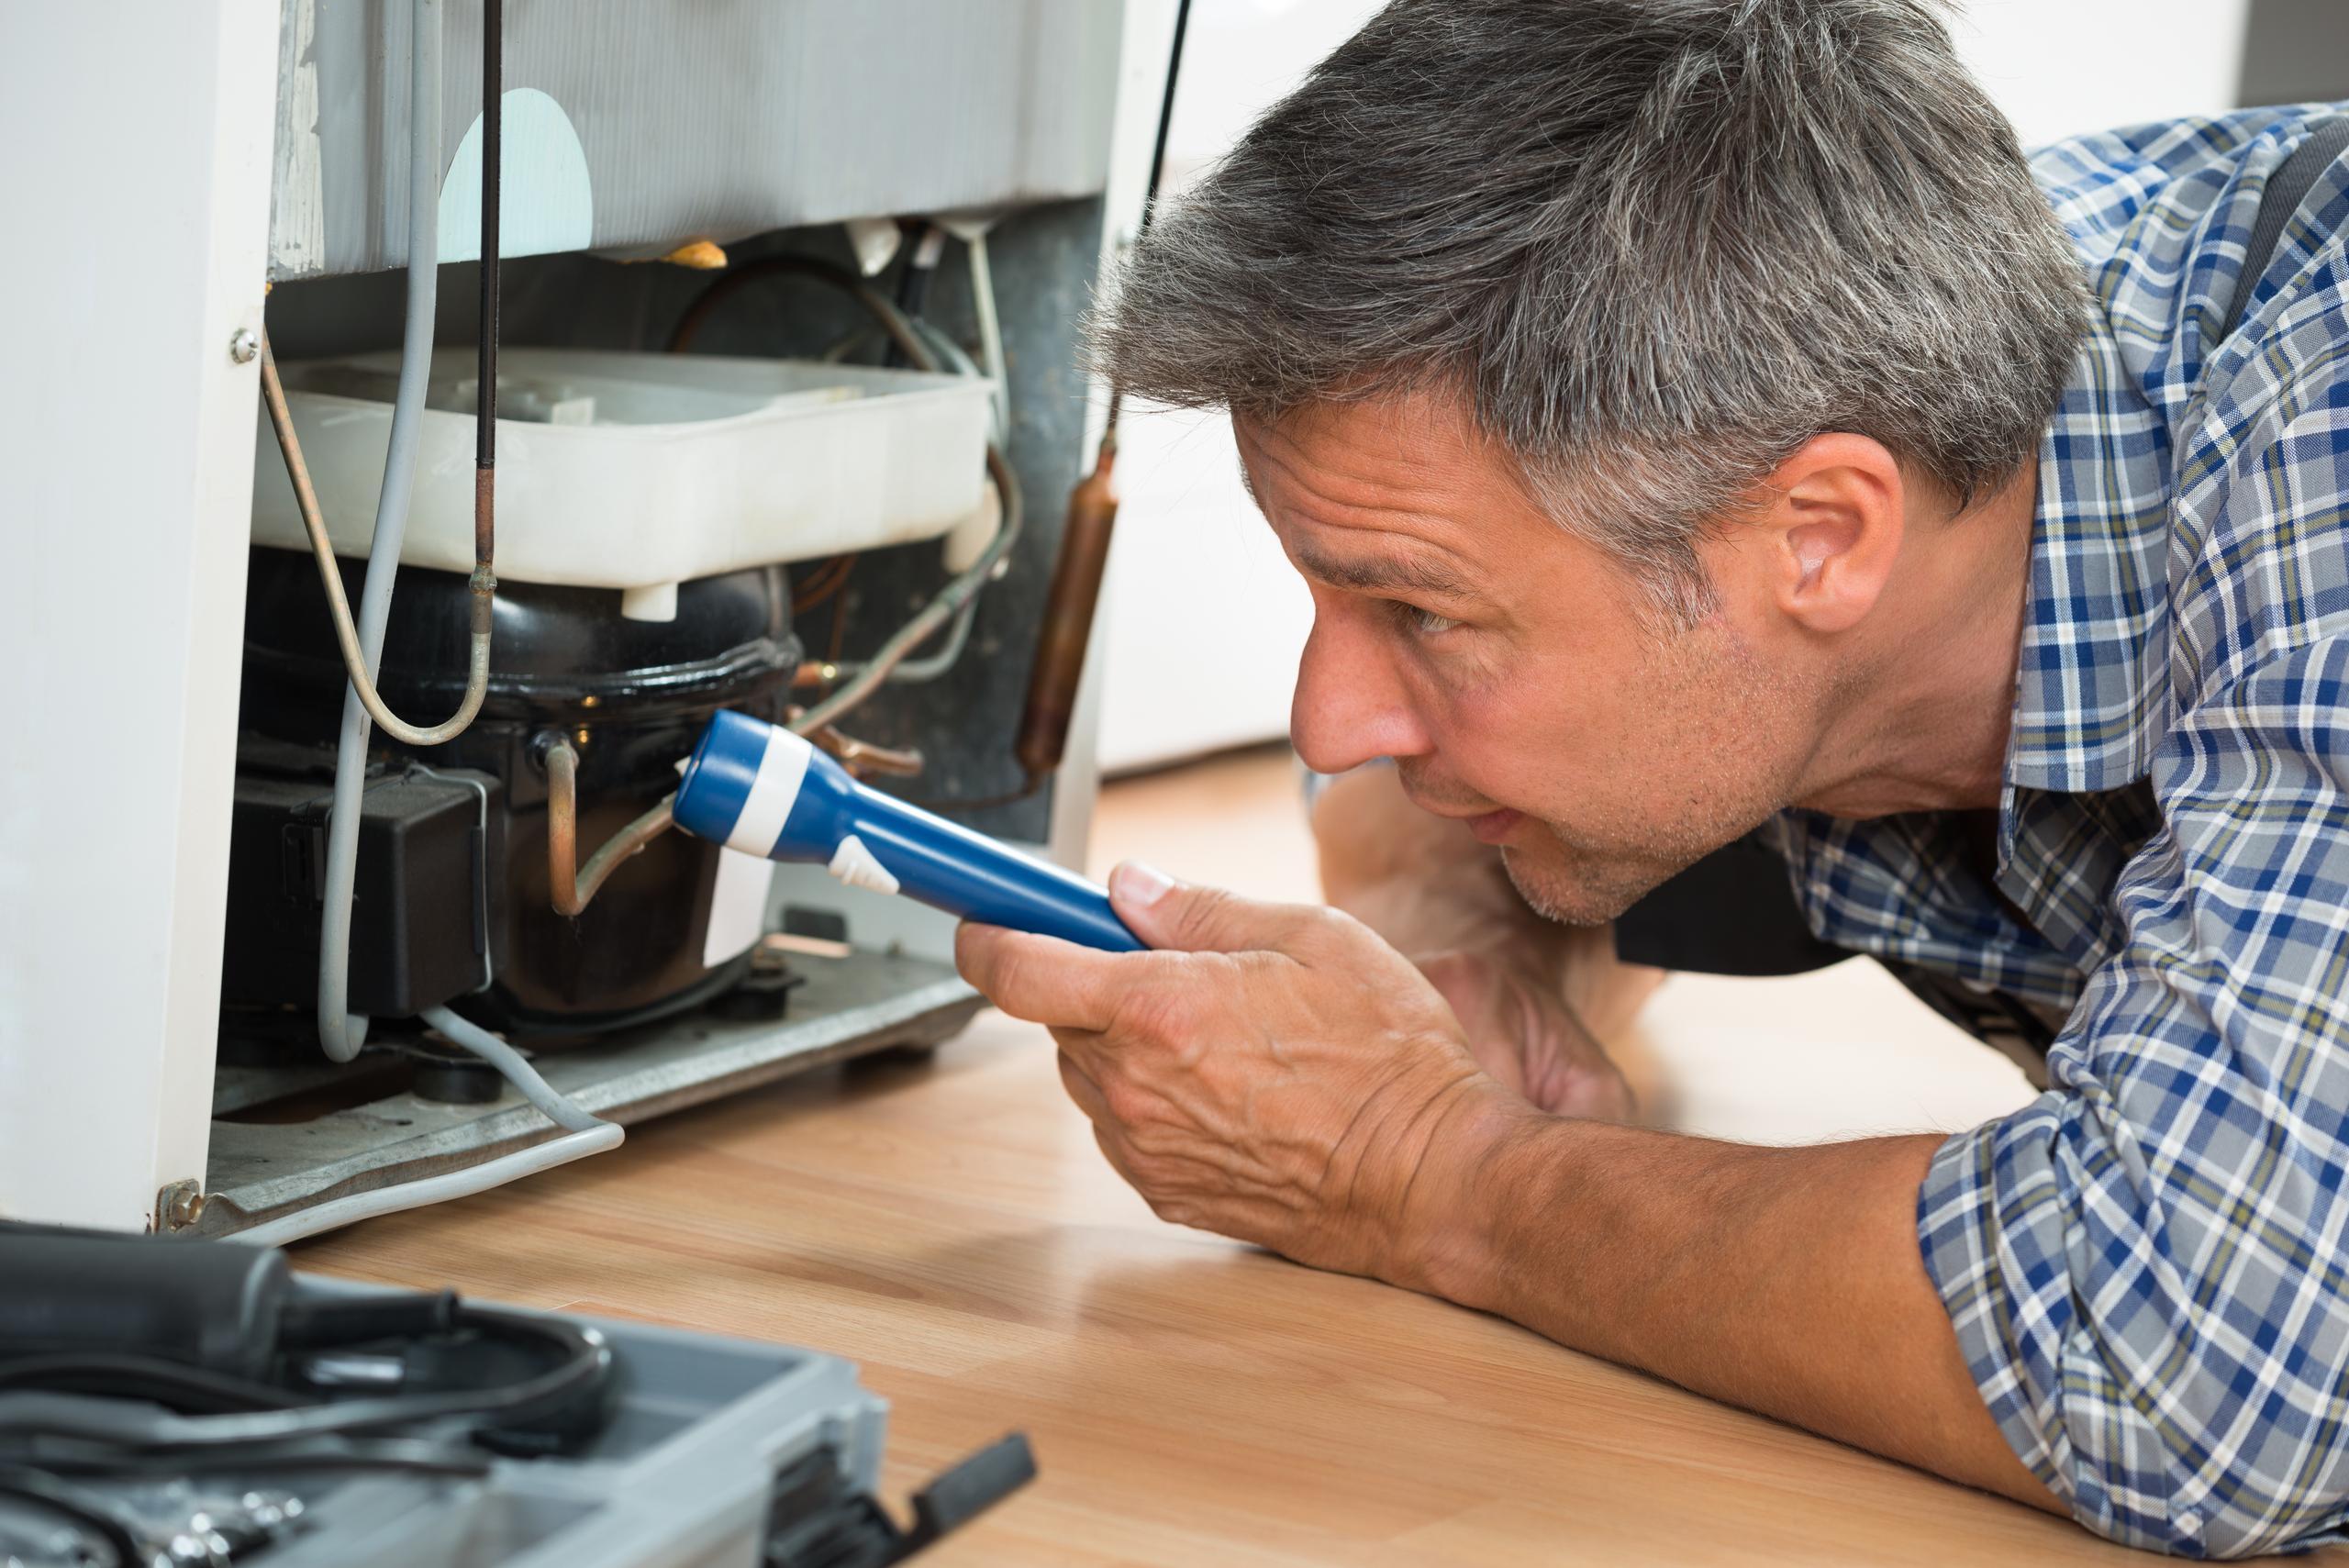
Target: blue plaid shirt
2146,1265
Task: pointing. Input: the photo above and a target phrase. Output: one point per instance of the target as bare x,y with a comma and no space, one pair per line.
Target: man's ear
1829,530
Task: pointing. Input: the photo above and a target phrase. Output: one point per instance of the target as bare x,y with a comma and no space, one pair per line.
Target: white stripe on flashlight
772,789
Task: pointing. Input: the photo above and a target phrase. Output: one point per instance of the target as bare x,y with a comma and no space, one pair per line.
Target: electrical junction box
419,937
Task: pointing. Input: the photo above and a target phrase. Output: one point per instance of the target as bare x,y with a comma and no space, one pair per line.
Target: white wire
341,1031
517,1069
990,327
435,1189
586,1135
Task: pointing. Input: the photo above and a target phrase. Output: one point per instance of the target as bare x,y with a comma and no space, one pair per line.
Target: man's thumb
1179,918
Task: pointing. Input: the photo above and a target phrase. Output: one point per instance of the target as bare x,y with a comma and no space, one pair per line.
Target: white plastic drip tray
637,470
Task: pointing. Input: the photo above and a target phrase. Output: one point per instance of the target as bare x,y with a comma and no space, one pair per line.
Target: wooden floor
951,1227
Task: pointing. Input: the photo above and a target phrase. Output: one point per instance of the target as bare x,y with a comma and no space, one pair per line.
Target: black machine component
629,696
216,1331
216,1308
427,843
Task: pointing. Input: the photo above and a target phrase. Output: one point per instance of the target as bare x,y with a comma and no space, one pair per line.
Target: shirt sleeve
2144,1267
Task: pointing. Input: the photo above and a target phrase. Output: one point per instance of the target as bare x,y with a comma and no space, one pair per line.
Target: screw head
180,1206
244,346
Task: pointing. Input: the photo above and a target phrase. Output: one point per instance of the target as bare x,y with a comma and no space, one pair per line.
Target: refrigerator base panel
269,1160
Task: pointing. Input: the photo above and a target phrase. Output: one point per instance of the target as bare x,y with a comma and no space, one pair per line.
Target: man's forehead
1383,496
1386,454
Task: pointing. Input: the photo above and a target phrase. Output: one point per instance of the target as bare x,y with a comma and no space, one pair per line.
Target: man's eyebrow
1384,574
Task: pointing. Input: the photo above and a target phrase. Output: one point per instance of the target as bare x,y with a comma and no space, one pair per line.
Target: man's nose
1348,707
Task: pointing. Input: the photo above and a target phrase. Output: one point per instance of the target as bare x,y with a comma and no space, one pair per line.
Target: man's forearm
1785,1280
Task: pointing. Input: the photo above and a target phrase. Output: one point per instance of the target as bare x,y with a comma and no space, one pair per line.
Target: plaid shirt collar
2089,688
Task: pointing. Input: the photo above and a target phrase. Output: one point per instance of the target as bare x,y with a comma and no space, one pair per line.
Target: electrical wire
129,1375
516,1070
943,607
86,1511
445,1188
1043,721
1165,112
399,1455
586,1133
975,254
584,1360
340,1031
918,672
864,678
914,278
747,274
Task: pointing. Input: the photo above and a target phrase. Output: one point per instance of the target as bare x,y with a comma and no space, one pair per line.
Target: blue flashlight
759,788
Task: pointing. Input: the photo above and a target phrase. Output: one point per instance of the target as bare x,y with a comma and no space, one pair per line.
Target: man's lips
1492,826
1495,826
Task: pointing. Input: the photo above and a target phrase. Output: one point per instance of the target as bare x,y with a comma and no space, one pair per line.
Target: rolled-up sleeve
2145,1265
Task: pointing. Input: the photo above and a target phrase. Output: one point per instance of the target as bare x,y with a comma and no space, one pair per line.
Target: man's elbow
2231,1451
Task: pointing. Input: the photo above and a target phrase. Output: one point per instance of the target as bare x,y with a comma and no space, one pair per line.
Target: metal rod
493,92
492,74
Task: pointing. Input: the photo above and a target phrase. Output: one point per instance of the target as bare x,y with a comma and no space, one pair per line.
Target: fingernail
1139,883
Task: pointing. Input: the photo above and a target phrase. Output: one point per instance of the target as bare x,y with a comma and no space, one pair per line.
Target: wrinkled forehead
1411,474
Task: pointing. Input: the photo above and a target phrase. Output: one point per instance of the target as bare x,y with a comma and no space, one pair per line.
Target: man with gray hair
1695,417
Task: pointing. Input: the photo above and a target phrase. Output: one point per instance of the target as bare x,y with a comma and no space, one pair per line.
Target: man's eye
1427,623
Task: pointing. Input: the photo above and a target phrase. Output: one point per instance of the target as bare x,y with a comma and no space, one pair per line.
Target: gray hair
1658,244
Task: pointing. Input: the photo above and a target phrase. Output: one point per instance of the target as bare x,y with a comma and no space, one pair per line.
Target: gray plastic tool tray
682,1476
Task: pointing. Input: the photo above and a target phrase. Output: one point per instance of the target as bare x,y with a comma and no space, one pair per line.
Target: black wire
1166,114
586,1365
1157,173
734,280
355,1454
492,77
86,1510
913,284
128,1374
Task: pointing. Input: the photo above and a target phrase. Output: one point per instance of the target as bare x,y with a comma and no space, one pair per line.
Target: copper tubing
572,887
484,519
346,635
865,760
1069,606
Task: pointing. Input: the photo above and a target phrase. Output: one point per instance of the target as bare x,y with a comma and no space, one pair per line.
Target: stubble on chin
1573,888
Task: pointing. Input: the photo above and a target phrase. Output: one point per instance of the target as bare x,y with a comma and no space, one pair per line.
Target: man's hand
1273,1073
1520,1031
1534,997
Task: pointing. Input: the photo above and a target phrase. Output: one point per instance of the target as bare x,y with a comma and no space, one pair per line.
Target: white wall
1204,620
2060,67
